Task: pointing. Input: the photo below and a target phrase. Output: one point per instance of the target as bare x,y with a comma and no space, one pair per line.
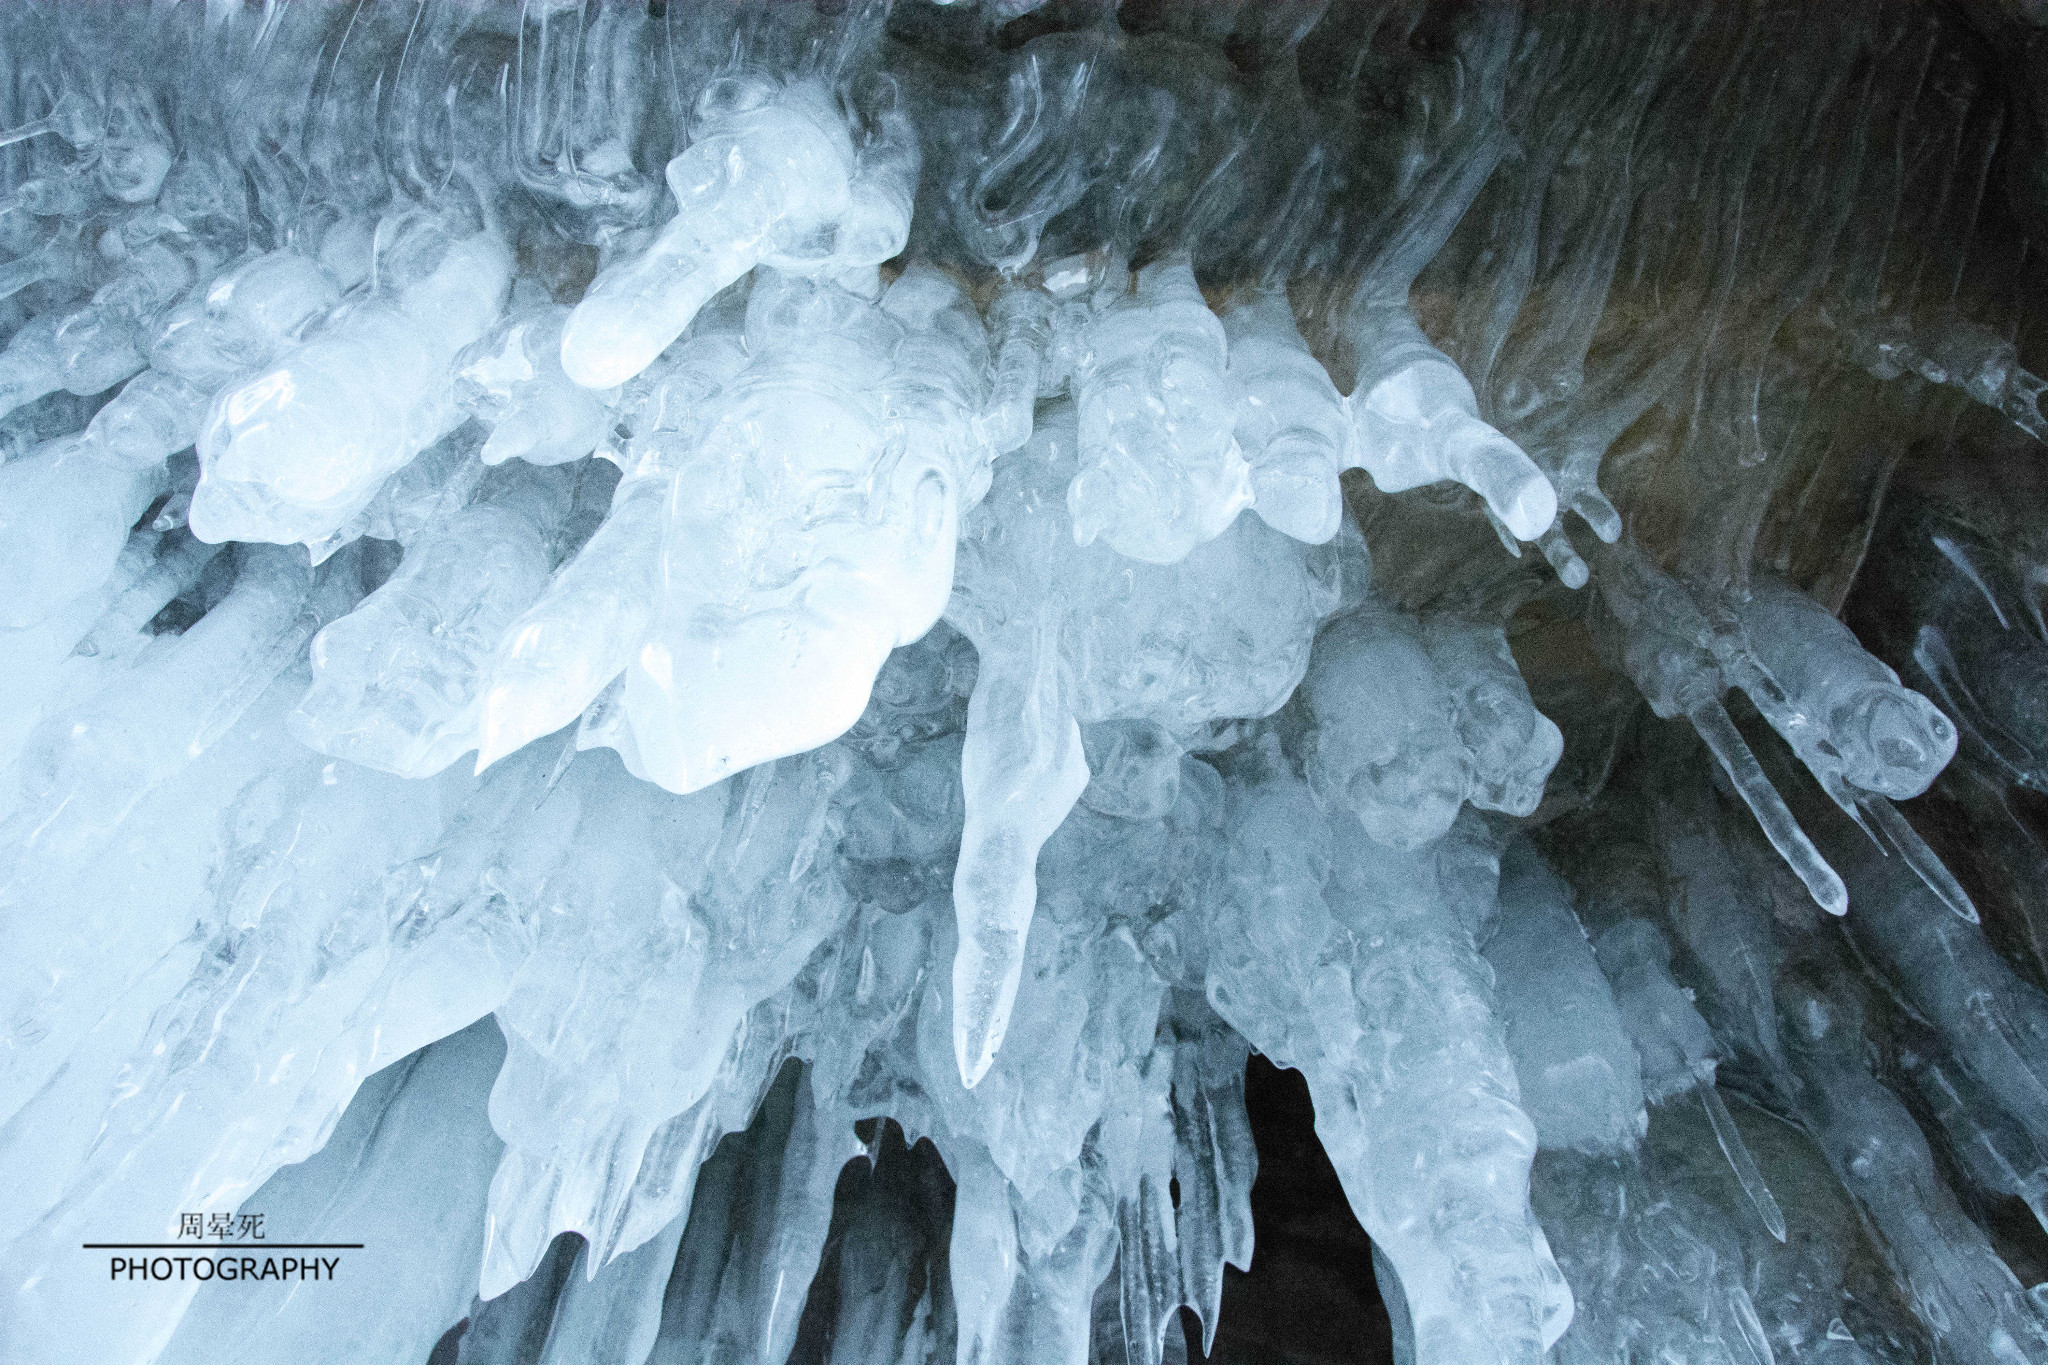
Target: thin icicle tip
892,589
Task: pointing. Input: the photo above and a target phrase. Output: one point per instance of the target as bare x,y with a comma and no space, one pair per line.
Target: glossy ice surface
704,670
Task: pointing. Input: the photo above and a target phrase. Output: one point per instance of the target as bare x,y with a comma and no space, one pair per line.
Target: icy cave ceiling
681,683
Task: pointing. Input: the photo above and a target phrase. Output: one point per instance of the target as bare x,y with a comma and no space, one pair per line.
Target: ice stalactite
1372,1028
705,671
1653,629
591,618
1418,423
771,176
1292,424
1067,637
1160,471
293,453
396,681
1959,1286
1867,739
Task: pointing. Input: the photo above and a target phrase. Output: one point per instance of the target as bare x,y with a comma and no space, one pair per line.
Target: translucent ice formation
67,516
94,347
1071,635
1580,1081
806,536
293,453
1652,629
245,318
771,176
1994,1150
1020,324
1512,746
1022,769
908,788
1955,351
1844,713
240,321
1416,422
1291,424
1389,750
103,342
1959,1286
577,118
409,1154
1353,967
1160,471
89,771
1990,1018
1402,746
1676,1048
398,682
512,378
1652,1266
746,897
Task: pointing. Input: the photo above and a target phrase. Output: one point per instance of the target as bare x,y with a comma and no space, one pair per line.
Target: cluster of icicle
581,577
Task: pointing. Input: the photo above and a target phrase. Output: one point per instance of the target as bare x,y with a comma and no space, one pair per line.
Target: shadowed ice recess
697,673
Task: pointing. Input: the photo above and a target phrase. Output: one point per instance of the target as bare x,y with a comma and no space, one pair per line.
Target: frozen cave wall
1292,680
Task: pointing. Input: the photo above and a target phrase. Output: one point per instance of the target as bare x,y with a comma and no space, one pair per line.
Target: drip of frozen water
907,784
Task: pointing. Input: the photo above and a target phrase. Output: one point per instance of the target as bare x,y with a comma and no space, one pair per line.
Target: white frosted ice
294,452
1160,471
1292,424
1416,422
802,452
595,613
398,682
1581,1083
806,535
771,176
66,518
512,378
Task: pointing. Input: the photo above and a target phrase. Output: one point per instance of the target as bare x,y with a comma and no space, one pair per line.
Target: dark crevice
1310,1297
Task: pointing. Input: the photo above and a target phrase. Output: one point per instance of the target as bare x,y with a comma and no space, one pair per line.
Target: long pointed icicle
74,118
805,449
1922,859
1739,1159
1023,770
1710,719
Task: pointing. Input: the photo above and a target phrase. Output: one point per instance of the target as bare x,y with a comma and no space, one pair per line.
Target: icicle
1557,549
1923,860
75,118
1711,722
1751,1329
1021,323
1739,1159
1023,771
